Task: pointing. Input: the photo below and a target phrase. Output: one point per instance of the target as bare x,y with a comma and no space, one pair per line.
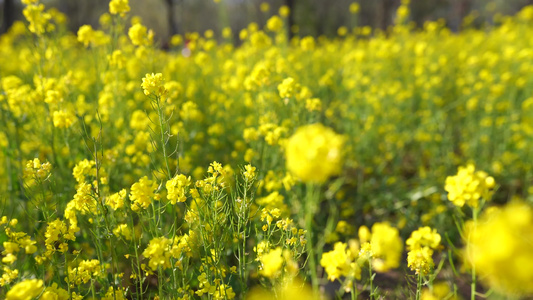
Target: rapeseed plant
129,172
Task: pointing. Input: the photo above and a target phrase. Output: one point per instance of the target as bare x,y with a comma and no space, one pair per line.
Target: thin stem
162,129
419,286
473,285
311,200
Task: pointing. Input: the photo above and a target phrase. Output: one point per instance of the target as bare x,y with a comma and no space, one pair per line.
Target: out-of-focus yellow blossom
54,292
271,263
140,36
37,17
354,7
288,87
264,6
500,248
63,119
120,7
177,188
142,193
439,290
85,34
154,84
123,230
314,153
29,2
37,170
420,245
386,246
469,186
117,59
313,104
274,24
307,43
25,290
342,31
288,290
284,11
340,262
8,275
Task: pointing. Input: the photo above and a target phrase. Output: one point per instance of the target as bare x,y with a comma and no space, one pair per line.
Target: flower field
370,165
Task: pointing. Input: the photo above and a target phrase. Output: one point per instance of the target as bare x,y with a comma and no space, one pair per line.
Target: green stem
371,279
163,143
419,286
311,201
473,285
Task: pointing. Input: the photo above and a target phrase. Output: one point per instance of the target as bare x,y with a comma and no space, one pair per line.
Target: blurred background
309,17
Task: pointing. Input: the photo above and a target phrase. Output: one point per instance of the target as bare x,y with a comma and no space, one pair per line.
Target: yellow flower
116,201
63,119
119,7
86,270
340,263
142,193
284,11
8,276
85,35
154,84
387,247
313,153
140,36
307,43
177,188
354,8
249,173
54,293
469,186
421,244
25,290
501,250
271,263
274,24
37,18
158,253
288,87
264,7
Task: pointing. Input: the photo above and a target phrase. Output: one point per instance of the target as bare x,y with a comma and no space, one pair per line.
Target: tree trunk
290,19
171,18
9,15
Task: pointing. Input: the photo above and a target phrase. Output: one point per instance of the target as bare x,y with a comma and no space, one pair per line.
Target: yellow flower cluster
120,7
37,170
314,153
25,290
342,262
85,271
88,36
177,188
421,245
142,193
469,186
154,84
39,20
385,244
140,36
63,119
501,250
